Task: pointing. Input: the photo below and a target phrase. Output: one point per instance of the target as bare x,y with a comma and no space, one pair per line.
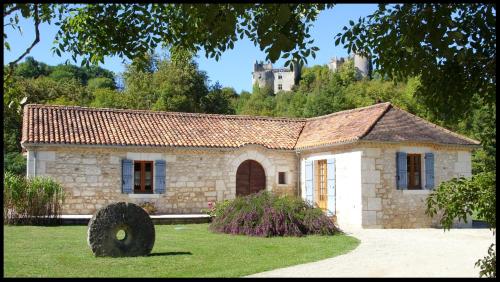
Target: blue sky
234,67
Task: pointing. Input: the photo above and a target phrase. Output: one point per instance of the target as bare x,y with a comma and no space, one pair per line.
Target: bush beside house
265,214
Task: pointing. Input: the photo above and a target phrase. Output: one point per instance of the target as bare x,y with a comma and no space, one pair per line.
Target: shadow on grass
169,254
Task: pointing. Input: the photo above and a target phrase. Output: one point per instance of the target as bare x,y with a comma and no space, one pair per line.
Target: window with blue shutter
127,176
429,171
309,181
401,171
330,171
160,172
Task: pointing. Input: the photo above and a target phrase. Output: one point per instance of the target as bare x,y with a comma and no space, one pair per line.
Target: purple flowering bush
265,214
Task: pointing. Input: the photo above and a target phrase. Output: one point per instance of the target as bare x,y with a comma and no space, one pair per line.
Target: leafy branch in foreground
94,31
458,198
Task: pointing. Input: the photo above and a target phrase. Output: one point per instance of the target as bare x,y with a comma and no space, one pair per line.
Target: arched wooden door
250,178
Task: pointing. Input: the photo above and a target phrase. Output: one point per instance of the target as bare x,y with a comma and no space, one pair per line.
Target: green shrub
265,214
14,162
31,201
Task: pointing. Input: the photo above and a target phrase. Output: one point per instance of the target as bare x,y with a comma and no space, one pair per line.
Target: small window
414,171
280,87
282,178
143,177
279,76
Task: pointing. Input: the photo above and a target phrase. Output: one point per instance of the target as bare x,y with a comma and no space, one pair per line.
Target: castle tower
363,66
278,79
336,63
296,72
263,74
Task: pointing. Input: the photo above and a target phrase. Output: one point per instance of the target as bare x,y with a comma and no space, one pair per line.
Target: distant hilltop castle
284,79
278,79
363,65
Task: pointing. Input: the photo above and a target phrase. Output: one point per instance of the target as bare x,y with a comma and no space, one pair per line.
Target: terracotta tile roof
397,125
93,126
339,127
44,124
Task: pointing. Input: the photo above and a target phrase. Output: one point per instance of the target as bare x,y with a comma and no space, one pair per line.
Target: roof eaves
339,142
53,144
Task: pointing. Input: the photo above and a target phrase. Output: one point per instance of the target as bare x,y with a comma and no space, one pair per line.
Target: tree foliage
459,197
179,84
94,31
218,100
451,47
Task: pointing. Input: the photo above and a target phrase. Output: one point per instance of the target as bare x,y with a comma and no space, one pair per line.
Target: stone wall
384,206
366,194
287,81
91,176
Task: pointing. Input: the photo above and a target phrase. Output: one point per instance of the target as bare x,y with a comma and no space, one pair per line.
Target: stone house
370,167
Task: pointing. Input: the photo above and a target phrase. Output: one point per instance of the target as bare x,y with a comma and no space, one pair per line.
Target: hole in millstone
120,235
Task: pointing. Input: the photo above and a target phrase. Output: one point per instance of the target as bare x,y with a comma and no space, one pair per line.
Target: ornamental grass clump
265,214
36,200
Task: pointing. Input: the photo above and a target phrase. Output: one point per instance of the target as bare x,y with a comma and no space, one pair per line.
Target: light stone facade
365,178
366,193
91,176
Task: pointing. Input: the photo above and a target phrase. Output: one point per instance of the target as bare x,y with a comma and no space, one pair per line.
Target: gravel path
401,253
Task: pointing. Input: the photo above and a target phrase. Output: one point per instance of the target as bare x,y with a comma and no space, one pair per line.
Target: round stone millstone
132,225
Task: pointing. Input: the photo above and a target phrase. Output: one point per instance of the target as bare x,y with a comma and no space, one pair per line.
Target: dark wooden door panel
250,178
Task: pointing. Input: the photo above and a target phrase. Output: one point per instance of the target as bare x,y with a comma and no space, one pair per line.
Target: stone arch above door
266,163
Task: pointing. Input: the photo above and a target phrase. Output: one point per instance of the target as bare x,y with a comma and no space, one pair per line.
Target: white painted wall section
347,185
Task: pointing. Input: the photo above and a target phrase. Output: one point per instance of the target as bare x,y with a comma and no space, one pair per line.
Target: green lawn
180,251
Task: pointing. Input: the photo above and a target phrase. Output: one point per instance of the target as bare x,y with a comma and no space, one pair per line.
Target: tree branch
37,39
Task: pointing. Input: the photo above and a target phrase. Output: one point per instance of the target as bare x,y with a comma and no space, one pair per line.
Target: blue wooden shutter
429,171
160,167
401,170
127,176
309,181
330,171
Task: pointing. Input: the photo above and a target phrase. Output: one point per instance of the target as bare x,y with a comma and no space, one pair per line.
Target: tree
451,47
179,84
31,68
129,30
218,100
109,98
138,80
100,83
240,102
68,71
260,103
283,100
458,198
318,103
